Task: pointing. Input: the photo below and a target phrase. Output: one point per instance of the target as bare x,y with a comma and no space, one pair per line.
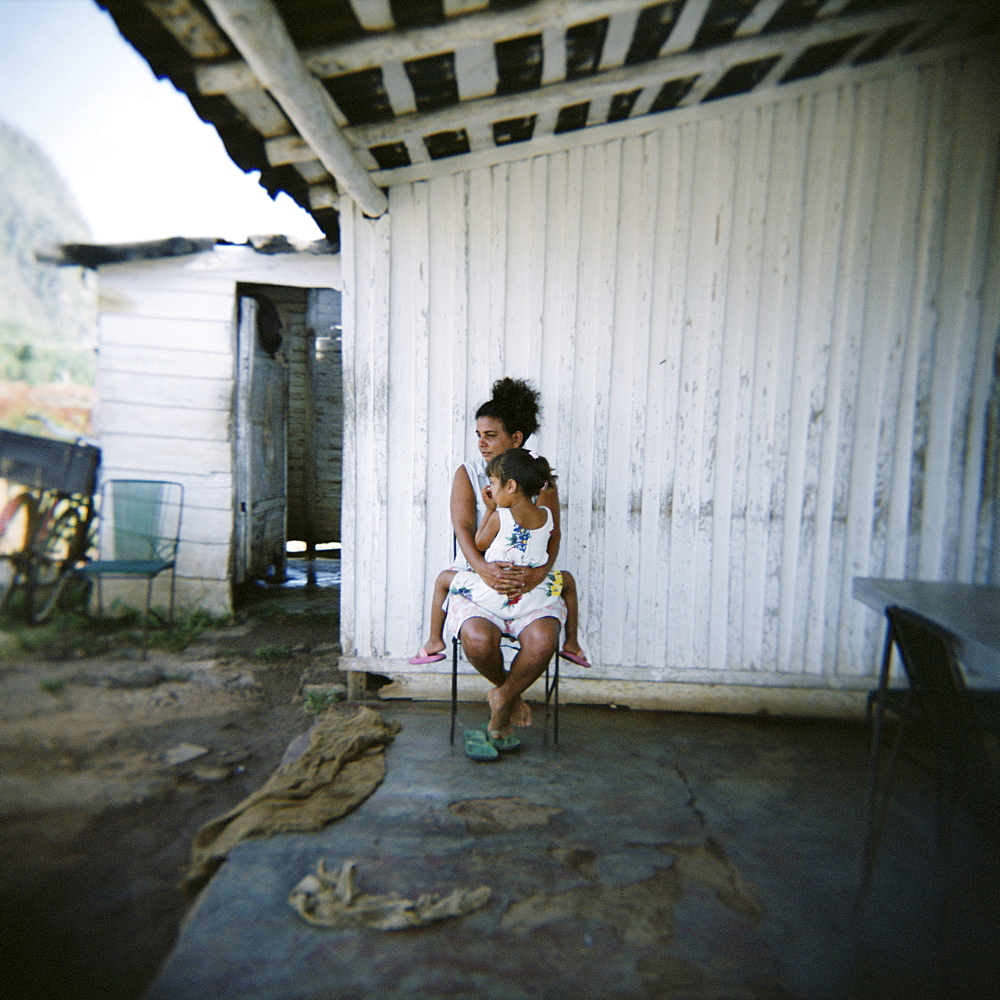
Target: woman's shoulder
474,473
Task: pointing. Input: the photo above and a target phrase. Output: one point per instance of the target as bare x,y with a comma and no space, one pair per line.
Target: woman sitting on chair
504,421
515,533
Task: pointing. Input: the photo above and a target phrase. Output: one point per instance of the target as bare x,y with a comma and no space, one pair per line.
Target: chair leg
145,617
876,711
878,806
555,723
173,587
454,687
876,719
552,697
548,692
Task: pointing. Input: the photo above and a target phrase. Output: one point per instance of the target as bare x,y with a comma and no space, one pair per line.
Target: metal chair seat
126,567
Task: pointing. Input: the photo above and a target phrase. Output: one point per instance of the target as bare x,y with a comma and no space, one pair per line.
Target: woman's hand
512,580
531,577
503,577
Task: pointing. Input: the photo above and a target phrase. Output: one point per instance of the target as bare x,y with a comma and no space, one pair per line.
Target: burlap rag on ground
331,899
343,765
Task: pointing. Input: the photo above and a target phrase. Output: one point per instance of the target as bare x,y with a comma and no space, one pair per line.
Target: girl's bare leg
435,644
538,643
571,597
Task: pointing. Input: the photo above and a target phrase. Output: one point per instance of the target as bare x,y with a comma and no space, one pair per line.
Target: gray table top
970,612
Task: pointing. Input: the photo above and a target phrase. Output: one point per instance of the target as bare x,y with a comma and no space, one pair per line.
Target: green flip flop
478,746
502,743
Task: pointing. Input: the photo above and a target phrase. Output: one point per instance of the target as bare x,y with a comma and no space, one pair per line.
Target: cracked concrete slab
649,855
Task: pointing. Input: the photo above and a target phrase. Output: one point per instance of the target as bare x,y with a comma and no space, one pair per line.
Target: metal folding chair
139,534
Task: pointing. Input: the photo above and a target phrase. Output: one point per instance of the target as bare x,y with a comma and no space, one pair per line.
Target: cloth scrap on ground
331,899
343,764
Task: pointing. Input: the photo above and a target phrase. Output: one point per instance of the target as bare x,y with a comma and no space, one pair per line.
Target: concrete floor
662,855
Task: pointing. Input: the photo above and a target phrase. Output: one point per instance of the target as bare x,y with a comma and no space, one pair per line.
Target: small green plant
185,630
53,684
320,701
273,653
72,632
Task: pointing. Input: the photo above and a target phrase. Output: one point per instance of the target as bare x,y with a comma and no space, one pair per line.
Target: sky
137,159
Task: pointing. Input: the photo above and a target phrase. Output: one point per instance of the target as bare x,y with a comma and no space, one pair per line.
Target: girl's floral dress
523,547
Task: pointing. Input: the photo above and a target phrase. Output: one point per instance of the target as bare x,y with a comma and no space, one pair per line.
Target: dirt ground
108,767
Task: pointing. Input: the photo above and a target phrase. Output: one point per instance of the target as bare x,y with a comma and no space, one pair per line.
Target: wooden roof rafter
263,40
709,64
413,87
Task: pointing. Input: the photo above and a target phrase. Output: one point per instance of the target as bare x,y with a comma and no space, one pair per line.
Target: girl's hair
515,404
531,472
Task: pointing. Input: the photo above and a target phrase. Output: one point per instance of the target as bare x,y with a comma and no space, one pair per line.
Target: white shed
187,392
747,249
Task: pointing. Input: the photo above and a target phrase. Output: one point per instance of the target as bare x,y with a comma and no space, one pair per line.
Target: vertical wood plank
349,601
495,330
759,455
856,457
684,391
893,249
482,318
634,314
824,225
794,119
516,271
720,423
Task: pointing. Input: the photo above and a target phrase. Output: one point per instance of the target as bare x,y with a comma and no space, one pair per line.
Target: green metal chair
139,534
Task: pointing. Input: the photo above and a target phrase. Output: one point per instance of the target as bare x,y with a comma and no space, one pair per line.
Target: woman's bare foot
500,714
520,713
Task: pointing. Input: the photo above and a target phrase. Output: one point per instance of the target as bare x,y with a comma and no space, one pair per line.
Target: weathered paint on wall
764,338
166,377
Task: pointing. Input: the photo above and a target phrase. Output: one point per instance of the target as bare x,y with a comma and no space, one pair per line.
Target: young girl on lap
518,532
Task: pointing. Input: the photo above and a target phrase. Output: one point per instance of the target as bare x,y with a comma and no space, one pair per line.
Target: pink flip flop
577,658
424,657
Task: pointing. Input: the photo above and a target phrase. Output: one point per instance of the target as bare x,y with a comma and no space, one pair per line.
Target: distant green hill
48,315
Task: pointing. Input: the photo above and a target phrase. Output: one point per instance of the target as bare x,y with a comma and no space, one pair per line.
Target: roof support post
257,31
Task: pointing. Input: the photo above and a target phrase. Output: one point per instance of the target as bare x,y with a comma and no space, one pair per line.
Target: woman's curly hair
515,404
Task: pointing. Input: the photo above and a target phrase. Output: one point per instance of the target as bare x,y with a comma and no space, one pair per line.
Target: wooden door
261,466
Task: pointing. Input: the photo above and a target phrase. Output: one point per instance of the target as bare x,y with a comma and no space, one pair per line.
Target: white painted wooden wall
166,369
764,332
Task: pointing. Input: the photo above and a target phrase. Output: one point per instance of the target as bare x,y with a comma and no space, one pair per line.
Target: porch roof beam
258,32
